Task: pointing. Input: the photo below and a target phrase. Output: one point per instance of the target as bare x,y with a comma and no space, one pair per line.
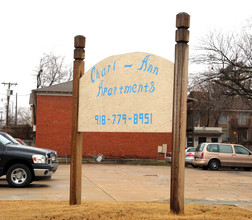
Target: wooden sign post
179,114
132,80
76,141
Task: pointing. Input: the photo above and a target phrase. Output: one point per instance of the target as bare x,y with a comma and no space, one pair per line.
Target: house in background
233,124
52,118
204,134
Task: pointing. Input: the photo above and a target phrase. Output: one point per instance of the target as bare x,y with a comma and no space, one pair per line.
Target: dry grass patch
45,209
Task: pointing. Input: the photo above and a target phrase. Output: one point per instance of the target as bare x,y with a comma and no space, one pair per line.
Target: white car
189,156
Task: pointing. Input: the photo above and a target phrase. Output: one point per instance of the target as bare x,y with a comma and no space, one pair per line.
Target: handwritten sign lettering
127,93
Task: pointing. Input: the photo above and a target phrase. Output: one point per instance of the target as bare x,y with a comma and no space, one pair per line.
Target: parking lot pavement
110,182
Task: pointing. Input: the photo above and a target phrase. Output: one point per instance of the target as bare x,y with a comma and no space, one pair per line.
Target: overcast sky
111,27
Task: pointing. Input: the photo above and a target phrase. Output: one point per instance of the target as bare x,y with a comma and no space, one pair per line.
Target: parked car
21,141
168,157
215,155
18,143
189,156
22,165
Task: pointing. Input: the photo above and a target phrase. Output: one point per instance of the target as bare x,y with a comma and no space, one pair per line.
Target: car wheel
19,175
195,166
214,164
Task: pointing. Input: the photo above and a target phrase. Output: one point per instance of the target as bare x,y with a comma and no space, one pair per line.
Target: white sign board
127,93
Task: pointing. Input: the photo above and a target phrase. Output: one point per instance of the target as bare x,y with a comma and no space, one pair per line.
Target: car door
243,157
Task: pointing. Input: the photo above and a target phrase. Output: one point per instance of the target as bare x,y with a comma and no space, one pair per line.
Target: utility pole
8,100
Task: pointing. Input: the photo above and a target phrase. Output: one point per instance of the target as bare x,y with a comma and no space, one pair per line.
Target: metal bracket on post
179,114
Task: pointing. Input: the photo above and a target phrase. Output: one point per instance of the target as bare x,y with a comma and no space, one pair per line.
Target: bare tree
24,116
52,70
229,61
211,101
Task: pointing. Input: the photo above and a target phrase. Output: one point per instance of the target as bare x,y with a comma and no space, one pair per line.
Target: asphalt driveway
110,182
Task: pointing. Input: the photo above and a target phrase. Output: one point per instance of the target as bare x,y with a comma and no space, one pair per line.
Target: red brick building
52,112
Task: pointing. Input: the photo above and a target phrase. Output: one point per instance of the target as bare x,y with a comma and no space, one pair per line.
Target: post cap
183,20
79,41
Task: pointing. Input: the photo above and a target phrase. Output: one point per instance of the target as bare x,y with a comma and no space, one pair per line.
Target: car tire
214,164
195,166
19,175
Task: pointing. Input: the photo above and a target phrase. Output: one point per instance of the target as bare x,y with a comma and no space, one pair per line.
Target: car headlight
54,155
37,158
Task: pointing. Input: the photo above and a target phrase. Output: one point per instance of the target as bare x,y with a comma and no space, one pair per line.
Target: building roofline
65,87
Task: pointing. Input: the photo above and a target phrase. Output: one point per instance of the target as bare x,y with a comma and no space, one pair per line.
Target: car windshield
191,149
4,140
13,140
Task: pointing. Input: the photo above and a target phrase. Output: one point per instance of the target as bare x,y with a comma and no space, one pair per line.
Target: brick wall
53,130
124,144
53,127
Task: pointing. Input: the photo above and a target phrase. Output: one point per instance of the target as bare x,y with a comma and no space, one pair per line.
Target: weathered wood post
179,114
76,141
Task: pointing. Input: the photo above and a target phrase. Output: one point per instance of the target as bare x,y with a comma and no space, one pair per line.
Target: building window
202,140
223,119
196,117
242,135
224,136
242,118
189,142
214,140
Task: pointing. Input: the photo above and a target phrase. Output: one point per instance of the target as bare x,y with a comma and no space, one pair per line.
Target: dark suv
24,164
